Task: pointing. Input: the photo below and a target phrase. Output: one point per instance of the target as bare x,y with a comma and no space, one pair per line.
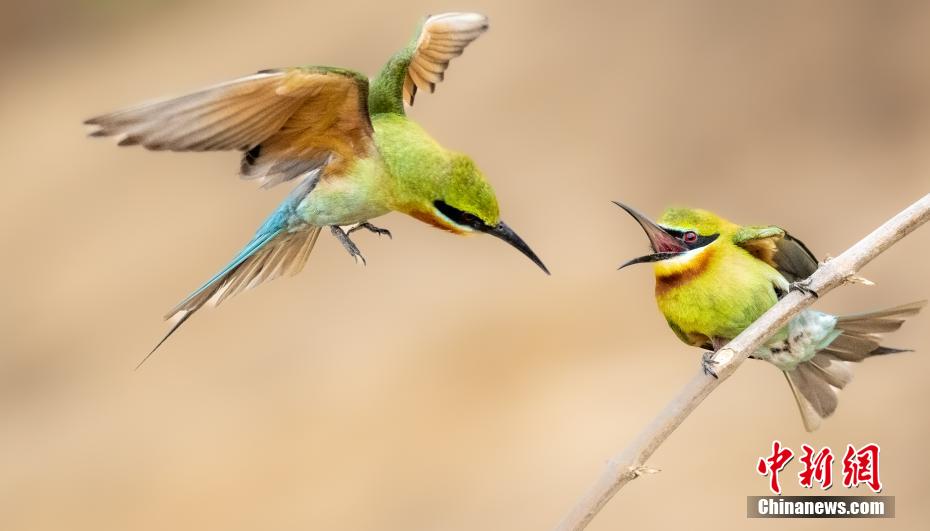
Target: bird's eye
690,237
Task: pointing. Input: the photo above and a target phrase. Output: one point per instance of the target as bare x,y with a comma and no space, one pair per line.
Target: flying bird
344,141
714,278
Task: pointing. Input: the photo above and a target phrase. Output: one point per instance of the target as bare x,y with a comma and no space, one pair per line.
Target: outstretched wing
288,121
779,249
442,38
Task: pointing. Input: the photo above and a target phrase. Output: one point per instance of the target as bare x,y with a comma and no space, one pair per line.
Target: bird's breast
679,271
355,196
712,294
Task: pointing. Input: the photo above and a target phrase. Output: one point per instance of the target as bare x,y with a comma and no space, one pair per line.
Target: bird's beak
664,245
502,231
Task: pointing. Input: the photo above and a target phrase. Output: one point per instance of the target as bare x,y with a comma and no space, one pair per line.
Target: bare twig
630,463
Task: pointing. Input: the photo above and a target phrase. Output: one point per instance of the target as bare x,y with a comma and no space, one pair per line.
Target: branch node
643,469
857,279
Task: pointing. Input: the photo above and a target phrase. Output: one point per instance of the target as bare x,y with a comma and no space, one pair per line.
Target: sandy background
449,385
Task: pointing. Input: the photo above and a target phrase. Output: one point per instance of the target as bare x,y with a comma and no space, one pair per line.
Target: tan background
449,385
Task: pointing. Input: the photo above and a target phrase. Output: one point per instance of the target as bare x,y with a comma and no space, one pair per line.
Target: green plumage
346,143
715,278
386,91
716,291
422,172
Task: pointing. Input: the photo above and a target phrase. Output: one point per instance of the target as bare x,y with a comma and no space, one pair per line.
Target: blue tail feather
278,229
253,246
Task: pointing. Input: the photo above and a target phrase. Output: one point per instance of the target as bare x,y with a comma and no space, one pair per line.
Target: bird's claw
804,286
368,226
347,243
707,364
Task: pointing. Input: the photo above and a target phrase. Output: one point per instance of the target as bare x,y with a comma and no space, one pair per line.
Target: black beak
502,231
663,244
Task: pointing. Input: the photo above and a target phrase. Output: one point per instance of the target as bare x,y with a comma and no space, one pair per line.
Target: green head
467,190
462,201
702,222
679,231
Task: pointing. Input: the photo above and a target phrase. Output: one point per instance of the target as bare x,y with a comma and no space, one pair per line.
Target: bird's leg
708,362
804,286
366,225
707,359
347,243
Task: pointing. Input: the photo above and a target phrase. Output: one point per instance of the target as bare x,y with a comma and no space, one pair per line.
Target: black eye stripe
459,216
703,240
697,244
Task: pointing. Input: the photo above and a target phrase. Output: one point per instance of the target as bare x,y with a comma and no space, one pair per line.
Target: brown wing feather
793,259
443,38
332,128
780,250
289,121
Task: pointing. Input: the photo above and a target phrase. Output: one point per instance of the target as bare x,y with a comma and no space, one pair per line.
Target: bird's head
680,237
463,202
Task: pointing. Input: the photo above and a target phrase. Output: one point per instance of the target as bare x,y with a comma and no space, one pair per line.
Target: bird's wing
288,121
779,249
442,38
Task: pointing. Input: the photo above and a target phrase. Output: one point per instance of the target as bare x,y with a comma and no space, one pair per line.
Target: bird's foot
804,286
377,230
347,243
707,364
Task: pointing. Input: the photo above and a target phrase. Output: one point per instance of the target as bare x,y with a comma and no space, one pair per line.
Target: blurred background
448,385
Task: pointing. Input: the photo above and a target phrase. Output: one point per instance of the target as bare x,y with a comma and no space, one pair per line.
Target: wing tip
471,18
130,140
96,126
447,34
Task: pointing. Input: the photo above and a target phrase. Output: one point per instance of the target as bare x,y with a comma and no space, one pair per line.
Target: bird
345,143
714,278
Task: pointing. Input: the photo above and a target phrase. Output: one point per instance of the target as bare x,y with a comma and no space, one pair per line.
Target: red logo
859,466
817,467
773,464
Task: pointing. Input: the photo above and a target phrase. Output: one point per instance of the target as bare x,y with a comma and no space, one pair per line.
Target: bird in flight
714,278
344,140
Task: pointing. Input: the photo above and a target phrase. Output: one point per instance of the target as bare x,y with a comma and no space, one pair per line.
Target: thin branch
630,463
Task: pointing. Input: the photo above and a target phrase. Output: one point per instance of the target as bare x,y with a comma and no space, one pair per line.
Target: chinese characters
860,467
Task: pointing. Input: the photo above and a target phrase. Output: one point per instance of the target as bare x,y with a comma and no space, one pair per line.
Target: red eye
690,237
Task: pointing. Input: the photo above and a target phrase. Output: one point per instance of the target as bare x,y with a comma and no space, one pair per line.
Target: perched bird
714,278
345,141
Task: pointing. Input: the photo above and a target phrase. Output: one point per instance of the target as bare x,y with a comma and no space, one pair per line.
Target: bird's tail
816,382
269,255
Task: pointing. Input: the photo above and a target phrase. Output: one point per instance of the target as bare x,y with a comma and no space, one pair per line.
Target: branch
630,463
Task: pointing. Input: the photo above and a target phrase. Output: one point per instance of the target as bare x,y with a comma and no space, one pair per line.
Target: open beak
502,231
664,245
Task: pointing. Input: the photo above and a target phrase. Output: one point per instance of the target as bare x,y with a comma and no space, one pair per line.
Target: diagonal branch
630,463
